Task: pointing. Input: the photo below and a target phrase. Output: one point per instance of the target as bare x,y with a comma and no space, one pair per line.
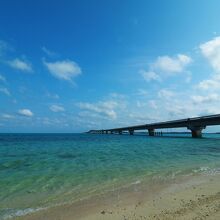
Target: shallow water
40,170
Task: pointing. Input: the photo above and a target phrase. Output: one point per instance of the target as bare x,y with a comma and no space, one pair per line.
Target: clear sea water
41,170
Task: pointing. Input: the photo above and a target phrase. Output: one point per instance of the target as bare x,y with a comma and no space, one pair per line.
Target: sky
72,66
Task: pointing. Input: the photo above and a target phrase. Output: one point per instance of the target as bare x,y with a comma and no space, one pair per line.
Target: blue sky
71,66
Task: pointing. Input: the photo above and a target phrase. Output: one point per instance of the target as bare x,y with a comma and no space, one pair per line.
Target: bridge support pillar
196,131
131,132
151,132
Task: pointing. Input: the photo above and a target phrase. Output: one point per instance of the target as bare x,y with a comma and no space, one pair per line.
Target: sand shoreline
196,197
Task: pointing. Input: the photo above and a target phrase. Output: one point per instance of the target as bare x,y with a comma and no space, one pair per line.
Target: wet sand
191,198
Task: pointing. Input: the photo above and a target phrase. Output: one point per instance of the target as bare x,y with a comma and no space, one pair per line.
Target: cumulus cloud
171,65
57,108
65,70
5,91
210,84
107,108
211,51
166,66
197,99
150,75
20,65
25,112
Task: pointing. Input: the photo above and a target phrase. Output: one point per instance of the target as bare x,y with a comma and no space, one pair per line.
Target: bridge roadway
196,125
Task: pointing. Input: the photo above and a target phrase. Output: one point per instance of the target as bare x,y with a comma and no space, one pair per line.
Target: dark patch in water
214,149
13,165
67,156
9,155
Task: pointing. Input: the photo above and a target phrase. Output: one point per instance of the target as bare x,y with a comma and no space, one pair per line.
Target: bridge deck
194,124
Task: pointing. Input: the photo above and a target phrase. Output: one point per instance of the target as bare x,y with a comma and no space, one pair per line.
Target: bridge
195,125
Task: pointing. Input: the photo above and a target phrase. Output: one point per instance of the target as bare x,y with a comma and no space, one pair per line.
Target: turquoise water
40,170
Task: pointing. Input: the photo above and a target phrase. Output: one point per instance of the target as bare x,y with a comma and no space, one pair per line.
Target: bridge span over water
196,125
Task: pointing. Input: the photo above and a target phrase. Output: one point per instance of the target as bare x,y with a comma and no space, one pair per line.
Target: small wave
136,182
11,213
207,170
200,169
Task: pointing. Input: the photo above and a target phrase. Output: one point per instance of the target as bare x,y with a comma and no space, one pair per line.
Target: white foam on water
21,212
136,182
207,170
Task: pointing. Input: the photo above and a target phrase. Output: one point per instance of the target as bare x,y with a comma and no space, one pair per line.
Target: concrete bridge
196,125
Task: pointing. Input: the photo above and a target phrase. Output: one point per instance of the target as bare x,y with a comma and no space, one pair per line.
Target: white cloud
171,65
65,70
150,75
107,108
176,111
5,91
211,50
210,84
166,66
7,116
20,65
2,78
48,52
165,93
141,118
25,112
197,99
57,108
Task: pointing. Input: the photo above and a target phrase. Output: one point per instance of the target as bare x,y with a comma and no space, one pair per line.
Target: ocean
42,170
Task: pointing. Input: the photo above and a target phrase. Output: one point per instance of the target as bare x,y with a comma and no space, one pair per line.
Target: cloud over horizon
103,107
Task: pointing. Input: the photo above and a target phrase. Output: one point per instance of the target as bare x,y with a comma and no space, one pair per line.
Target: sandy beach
189,198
